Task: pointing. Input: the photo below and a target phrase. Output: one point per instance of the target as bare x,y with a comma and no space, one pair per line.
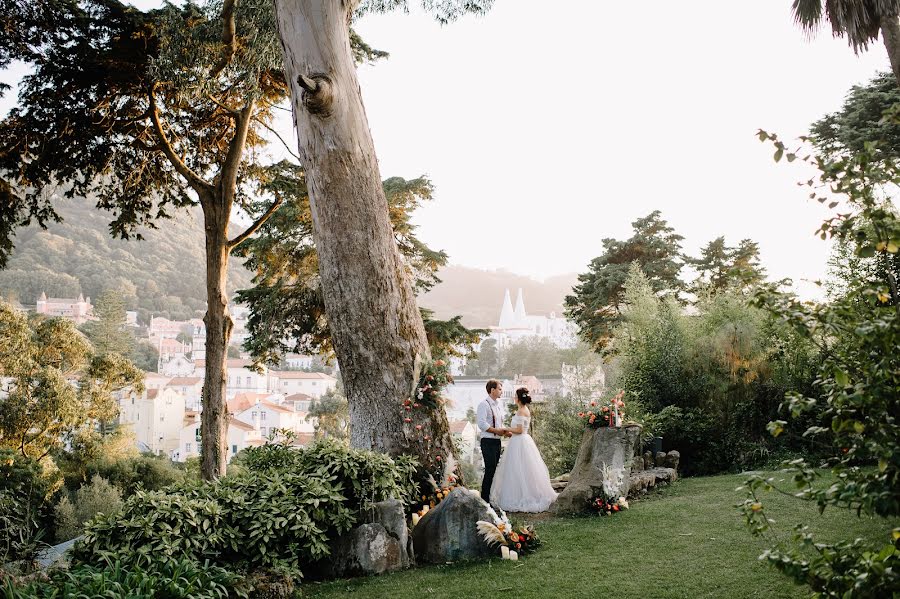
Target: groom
489,419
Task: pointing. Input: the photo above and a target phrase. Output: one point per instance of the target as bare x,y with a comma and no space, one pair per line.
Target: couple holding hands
519,482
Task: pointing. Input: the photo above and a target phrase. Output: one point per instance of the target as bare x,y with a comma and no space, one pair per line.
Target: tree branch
231,111
194,180
281,139
232,163
256,225
228,38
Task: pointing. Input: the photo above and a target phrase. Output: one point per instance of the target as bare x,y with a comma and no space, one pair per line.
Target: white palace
517,324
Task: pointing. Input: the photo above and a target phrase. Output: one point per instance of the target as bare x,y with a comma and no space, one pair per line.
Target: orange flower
593,403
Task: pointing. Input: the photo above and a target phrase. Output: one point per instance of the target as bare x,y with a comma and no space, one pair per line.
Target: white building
239,378
78,310
240,436
314,384
175,365
155,416
298,361
191,387
517,324
267,417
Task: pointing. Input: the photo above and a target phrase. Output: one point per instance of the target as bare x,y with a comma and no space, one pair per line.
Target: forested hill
165,273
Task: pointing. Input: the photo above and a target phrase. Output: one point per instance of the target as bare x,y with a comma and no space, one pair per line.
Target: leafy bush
96,497
282,511
560,431
365,477
25,492
183,579
145,471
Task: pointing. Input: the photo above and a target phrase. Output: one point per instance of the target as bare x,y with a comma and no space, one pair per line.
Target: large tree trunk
214,419
375,324
890,33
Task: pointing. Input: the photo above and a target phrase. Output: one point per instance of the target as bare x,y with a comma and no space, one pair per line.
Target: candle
513,556
424,509
504,552
415,519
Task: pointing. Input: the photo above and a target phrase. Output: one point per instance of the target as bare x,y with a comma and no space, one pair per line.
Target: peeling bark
375,324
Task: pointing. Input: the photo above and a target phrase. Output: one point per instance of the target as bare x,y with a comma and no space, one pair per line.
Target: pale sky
546,127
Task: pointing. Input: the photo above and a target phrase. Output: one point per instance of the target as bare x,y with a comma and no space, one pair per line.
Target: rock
660,459
449,533
603,450
672,460
648,460
374,547
646,480
638,464
564,477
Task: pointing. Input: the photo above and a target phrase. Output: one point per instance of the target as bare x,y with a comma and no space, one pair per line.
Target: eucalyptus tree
377,331
860,21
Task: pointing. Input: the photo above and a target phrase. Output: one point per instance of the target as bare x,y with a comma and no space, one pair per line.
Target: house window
262,415
253,414
248,381
187,448
284,383
162,418
314,383
262,431
233,449
197,435
132,400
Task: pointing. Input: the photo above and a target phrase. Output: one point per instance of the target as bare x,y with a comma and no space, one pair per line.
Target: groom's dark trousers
490,452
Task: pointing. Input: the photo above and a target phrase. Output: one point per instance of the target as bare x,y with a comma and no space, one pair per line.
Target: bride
522,483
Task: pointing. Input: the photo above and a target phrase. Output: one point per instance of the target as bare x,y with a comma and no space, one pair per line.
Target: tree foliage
58,390
855,389
596,300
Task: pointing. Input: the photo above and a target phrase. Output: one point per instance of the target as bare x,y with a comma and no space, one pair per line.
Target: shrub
24,505
282,512
176,580
96,497
145,471
366,477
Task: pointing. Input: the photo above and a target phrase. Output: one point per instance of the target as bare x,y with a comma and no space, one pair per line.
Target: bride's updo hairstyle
522,396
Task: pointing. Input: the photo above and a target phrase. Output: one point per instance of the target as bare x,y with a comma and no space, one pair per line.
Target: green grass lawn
687,541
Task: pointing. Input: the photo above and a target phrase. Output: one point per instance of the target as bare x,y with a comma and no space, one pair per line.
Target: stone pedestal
449,533
604,463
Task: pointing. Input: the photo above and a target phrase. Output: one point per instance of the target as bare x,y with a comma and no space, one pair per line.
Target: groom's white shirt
484,419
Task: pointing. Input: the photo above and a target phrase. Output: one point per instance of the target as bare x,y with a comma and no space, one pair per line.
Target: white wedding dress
522,482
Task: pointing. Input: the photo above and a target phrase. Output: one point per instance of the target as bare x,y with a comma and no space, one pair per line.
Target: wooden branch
308,85
194,180
228,175
281,139
231,111
228,38
256,225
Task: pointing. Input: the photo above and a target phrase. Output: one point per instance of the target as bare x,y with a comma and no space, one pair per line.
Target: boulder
638,464
604,462
648,460
646,480
660,459
672,460
449,533
374,547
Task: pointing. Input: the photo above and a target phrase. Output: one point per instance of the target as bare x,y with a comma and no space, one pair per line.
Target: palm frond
491,533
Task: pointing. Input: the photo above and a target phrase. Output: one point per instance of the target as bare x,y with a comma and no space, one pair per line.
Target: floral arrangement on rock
606,507
602,414
512,542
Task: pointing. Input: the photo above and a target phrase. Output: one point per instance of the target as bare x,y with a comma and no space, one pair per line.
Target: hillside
165,273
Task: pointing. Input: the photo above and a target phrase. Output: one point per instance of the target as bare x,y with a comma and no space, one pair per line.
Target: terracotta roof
152,393
184,381
271,406
154,375
298,397
240,425
303,439
458,426
299,374
242,401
